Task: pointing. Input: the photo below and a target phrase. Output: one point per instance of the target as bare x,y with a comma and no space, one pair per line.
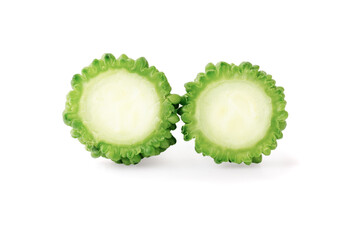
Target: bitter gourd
122,109
235,113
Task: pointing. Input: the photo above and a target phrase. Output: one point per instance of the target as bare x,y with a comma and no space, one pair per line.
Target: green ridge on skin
155,143
245,71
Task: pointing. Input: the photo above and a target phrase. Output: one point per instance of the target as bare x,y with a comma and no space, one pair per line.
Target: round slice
235,113
122,109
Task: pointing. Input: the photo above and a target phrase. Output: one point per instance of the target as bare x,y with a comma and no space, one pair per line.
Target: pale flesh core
234,113
119,107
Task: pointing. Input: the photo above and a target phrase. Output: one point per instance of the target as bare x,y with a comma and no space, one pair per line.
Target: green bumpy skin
154,143
244,73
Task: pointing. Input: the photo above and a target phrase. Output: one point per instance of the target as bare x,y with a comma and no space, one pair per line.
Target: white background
50,187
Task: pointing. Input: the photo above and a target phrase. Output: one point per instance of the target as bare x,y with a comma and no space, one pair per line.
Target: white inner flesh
235,114
119,107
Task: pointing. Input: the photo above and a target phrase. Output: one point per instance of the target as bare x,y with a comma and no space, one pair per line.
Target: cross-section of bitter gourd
235,113
122,109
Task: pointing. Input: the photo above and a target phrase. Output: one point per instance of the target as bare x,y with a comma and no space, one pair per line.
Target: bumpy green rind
219,153
158,141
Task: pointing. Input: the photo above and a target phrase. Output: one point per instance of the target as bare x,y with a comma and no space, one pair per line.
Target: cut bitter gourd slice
235,113
122,109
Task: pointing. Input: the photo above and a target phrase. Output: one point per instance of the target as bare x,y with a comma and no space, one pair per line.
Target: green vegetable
235,113
122,109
